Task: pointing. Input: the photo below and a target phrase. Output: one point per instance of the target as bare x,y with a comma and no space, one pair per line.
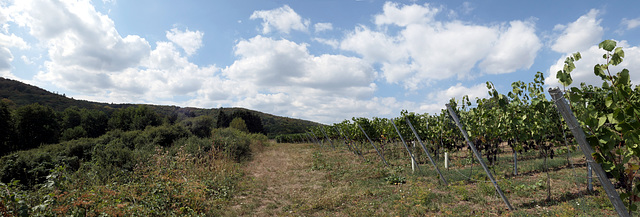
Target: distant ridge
19,94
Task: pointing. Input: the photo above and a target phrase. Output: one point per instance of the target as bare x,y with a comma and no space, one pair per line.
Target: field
310,180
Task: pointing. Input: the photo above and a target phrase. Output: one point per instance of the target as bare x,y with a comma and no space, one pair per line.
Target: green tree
73,133
200,126
6,127
71,118
36,124
253,121
94,122
239,124
134,118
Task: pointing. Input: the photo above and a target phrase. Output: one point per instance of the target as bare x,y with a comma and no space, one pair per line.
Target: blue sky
324,61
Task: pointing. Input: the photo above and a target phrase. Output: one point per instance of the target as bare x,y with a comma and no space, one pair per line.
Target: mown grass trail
307,180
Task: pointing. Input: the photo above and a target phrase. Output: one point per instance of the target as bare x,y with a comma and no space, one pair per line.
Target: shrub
166,134
193,145
234,143
31,167
73,133
200,126
239,124
112,160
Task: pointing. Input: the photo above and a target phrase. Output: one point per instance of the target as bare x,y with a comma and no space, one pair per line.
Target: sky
319,60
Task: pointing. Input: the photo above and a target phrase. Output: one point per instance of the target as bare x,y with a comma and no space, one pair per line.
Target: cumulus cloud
283,19
439,98
631,23
5,59
12,41
189,41
86,54
277,64
592,56
76,34
580,34
321,27
425,50
331,42
405,15
282,77
515,49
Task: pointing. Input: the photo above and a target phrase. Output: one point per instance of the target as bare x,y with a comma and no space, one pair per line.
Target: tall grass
158,171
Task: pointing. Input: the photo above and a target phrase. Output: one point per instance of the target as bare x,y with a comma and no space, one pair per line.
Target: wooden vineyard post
355,147
316,138
308,138
579,135
374,146
427,152
478,156
345,138
413,159
325,135
589,178
515,163
311,139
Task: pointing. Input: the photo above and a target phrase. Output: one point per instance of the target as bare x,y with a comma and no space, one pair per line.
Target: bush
114,159
165,135
233,143
200,126
73,133
196,146
31,167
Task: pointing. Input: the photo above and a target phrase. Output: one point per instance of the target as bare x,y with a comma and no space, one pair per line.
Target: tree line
27,127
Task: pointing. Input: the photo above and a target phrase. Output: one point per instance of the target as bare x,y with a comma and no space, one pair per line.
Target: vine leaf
607,45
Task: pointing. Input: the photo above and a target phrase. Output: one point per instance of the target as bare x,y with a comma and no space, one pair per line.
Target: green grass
346,185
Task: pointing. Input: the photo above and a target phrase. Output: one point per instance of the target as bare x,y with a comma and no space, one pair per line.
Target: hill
19,94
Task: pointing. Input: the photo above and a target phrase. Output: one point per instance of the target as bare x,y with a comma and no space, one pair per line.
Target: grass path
305,180
281,180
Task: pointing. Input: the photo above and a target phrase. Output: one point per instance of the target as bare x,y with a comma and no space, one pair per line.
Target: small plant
395,179
318,161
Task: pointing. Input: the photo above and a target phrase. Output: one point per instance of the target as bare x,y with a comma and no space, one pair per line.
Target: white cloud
579,35
592,56
276,64
467,7
373,46
189,41
283,19
26,60
87,55
77,35
5,59
282,77
516,49
426,50
631,23
321,27
331,42
405,15
13,41
438,99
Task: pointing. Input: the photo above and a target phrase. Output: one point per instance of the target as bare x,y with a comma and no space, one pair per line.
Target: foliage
7,128
239,124
232,142
200,126
94,122
134,118
610,115
36,125
73,133
252,121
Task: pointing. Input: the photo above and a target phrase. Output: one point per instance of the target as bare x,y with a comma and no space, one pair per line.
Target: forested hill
18,94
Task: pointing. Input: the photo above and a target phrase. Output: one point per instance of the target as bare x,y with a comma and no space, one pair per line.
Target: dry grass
307,180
